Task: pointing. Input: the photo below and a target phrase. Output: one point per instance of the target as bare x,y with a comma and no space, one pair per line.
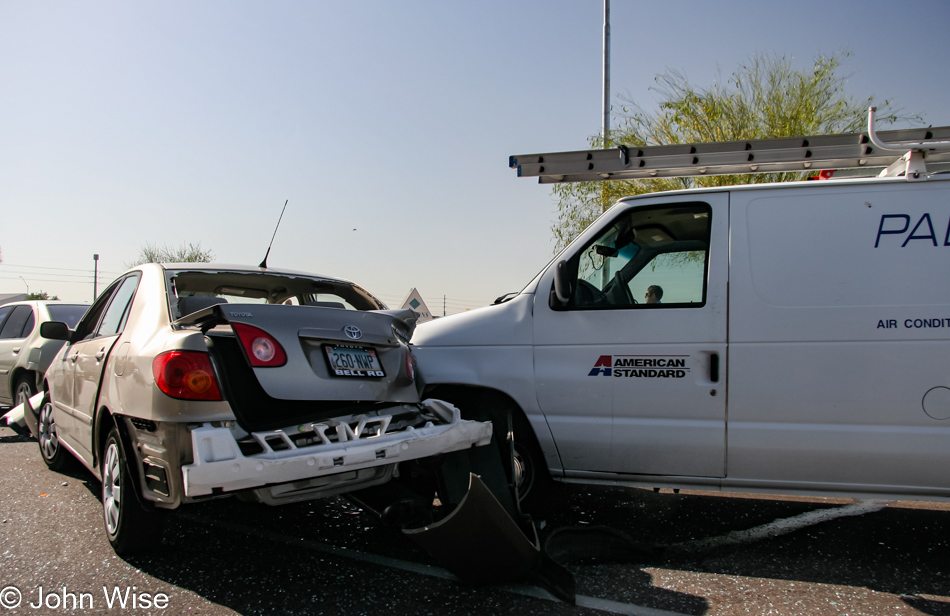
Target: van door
631,371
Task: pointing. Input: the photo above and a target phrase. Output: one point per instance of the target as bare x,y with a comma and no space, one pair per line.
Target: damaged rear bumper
220,466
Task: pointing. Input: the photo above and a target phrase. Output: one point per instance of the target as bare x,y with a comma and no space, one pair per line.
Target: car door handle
101,354
74,357
16,350
714,367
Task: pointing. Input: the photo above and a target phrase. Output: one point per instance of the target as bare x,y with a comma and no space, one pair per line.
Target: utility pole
604,200
95,277
606,131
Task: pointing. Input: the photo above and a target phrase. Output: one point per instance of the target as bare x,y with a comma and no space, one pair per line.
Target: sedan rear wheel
129,526
25,389
52,451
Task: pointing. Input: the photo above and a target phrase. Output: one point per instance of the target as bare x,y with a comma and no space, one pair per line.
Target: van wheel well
525,466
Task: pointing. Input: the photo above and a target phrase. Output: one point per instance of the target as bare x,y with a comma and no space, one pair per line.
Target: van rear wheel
129,526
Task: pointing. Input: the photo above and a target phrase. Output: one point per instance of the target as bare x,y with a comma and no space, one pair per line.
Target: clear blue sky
388,125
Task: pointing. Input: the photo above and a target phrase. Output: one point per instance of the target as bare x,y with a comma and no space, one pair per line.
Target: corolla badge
352,332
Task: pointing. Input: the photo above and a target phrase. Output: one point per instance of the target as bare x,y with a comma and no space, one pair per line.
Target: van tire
532,478
130,528
530,473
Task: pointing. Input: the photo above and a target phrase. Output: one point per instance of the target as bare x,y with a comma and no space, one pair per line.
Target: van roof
793,185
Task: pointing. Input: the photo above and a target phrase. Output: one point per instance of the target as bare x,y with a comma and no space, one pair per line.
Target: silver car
24,355
185,382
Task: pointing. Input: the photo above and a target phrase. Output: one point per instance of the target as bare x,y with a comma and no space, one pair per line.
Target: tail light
186,375
262,349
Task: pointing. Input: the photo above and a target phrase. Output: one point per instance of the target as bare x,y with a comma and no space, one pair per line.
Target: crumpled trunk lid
336,358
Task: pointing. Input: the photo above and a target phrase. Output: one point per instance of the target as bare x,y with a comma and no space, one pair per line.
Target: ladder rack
900,152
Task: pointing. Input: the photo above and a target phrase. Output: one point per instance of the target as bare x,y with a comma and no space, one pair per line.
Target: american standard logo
641,366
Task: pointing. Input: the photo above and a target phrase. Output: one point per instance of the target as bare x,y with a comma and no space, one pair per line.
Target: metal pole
27,285
606,132
604,203
95,277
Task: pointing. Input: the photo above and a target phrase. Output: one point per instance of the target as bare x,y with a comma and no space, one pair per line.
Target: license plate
353,361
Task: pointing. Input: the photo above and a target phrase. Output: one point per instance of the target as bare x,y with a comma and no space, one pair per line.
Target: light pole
606,124
27,285
95,276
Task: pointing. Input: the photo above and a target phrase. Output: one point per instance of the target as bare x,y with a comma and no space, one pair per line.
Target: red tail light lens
186,375
262,349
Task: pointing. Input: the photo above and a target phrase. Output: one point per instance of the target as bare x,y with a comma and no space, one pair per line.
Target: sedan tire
24,389
56,457
129,526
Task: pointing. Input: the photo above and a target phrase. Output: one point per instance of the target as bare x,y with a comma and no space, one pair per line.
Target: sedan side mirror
562,283
55,330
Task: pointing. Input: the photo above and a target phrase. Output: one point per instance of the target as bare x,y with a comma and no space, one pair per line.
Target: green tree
186,253
41,295
764,98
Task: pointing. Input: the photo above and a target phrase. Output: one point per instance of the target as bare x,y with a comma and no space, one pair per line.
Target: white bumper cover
16,416
220,465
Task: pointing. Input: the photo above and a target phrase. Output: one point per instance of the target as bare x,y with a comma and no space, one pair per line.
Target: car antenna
267,254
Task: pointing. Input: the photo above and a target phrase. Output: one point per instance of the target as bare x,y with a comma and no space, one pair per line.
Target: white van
784,338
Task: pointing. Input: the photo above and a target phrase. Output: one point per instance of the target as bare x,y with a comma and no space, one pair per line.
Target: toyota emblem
352,332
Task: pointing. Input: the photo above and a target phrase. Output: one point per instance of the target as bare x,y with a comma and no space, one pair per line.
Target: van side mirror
55,330
563,289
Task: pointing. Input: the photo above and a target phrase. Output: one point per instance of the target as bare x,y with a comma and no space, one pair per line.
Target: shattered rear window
237,287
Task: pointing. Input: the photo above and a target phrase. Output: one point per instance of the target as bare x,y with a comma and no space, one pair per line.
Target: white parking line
779,527
594,603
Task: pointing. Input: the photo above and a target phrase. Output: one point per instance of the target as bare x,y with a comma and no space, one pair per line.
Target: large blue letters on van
923,230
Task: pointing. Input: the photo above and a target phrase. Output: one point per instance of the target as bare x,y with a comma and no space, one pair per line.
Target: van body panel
488,347
828,373
593,367
817,360
830,264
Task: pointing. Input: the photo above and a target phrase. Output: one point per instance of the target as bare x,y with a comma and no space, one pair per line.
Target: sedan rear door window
14,325
117,313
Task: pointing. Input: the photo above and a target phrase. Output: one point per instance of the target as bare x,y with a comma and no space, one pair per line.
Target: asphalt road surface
699,553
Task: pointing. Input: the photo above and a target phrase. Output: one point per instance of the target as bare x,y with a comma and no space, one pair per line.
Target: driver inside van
654,294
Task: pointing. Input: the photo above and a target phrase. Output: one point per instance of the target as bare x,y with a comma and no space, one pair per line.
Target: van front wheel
531,476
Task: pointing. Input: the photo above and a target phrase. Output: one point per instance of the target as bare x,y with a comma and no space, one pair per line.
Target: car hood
497,325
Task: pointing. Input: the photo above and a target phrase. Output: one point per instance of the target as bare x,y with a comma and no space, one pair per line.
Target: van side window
648,258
